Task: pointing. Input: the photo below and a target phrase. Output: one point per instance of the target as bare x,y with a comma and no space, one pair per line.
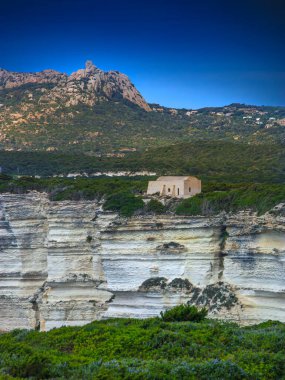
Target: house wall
163,186
195,187
154,187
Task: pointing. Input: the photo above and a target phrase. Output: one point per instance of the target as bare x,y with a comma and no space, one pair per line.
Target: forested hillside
209,160
102,113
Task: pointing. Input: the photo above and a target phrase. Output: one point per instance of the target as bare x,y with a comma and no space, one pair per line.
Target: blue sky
178,53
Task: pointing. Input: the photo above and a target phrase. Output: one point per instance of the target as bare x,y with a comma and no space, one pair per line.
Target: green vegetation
226,197
155,207
184,313
146,349
211,161
124,203
124,194
74,189
219,161
117,125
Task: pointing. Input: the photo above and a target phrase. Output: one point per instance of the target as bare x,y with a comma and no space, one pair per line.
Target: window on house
189,189
177,191
169,190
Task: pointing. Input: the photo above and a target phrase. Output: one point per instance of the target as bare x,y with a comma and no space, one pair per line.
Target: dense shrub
75,188
155,206
37,365
146,349
258,197
183,313
217,161
126,204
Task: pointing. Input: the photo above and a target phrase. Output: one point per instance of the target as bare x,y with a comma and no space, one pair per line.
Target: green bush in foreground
150,349
184,313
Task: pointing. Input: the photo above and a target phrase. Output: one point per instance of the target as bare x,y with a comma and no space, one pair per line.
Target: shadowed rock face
11,79
85,86
68,263
215,297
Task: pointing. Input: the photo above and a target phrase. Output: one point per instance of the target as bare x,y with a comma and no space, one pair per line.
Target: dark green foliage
154,282
155,206
180,283
37,365
223,237
257,197
75,189
5,177
124,203
123,194
146,349
216,161
184,313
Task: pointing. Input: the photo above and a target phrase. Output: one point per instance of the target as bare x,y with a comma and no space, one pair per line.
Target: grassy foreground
146,349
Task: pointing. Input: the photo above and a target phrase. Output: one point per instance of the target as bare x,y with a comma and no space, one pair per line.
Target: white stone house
175,186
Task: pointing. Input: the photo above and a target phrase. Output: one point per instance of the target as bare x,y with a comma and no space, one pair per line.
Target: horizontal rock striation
68,263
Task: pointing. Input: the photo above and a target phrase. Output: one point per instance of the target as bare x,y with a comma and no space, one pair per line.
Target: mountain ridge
95,112
82,86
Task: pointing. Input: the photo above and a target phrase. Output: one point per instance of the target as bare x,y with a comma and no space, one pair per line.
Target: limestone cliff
68,263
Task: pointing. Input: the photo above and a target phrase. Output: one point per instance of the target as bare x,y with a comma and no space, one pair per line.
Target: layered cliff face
68,263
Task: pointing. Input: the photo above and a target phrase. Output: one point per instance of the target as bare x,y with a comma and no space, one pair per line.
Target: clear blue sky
178,53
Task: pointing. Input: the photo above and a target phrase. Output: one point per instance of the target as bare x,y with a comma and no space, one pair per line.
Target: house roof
174,178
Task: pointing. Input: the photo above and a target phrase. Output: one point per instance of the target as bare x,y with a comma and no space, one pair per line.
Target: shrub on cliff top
124,203
155,207
183,313
257,197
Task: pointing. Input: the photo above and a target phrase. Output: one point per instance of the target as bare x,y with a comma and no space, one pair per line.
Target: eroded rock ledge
68,263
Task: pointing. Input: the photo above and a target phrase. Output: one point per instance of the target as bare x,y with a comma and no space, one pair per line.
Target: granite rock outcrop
85,86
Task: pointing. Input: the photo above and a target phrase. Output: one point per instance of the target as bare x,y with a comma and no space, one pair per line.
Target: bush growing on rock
124,203
184,313
155,206
257,197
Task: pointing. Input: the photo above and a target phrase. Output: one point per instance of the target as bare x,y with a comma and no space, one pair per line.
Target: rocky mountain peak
88,86
89,70
90,67
12,79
